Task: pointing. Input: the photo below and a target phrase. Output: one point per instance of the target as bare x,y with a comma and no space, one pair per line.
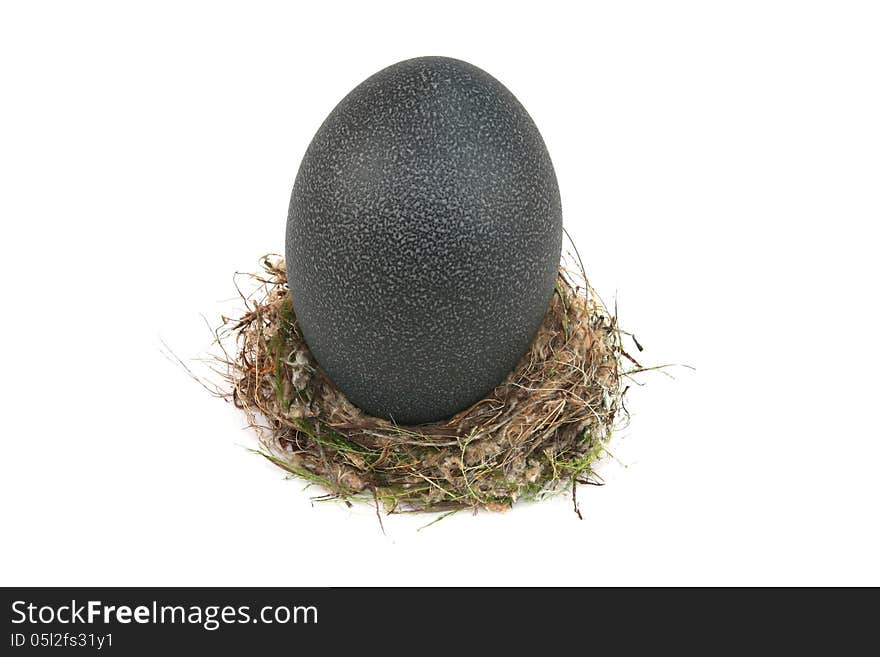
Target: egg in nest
423,239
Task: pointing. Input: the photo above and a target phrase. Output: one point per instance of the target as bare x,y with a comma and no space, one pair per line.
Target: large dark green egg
423,239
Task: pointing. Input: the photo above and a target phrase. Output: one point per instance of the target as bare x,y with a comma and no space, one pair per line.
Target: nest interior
540,431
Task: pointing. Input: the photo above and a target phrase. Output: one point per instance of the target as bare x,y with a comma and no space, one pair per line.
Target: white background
719,166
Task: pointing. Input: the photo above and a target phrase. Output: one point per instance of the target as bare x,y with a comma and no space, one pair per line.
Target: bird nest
540,431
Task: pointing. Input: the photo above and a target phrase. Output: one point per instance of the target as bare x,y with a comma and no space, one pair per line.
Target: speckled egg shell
423,239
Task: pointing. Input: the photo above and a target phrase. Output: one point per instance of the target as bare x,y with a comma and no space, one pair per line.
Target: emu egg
423,239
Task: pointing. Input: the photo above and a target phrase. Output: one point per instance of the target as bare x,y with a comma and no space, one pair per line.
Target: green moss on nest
540,431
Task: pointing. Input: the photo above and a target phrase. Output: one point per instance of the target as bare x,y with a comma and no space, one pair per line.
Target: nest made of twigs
541,430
